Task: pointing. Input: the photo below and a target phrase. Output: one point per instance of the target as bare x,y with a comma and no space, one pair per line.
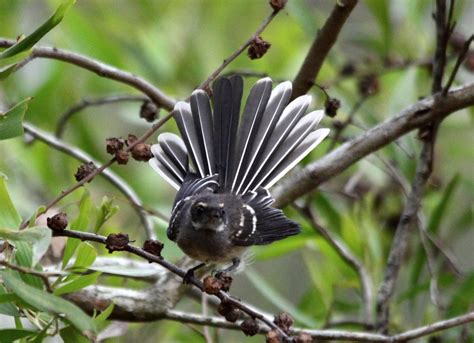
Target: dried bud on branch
116,241
249,327
303,337
122,157
284,321
153,247
368,85
230,313
331,106
149,111
258,48
114,145
278,5
226,281
58,222
84,170
212,285
273,337
142,152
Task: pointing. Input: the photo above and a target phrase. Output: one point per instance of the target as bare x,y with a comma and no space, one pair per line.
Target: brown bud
116,241
456,41
249,327
368,85
57,222
469,61
149,111
113,145
337,124
303,337
348,69
141,152
258,48
331,106
122,157
84,170
226,281
131,139
212,285
273,336
153,247
284,321
278,5
233,315
224,308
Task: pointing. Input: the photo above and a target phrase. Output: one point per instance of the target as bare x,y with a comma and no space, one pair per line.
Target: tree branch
341,158
101,69
323,42
117,181
204,85
64,118
223,297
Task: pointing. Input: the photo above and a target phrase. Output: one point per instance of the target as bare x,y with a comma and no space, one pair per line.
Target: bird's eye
199,209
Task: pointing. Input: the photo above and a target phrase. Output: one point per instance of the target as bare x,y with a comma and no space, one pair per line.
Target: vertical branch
323,42
409,217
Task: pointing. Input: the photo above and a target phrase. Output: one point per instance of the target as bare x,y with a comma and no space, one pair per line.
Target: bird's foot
189,276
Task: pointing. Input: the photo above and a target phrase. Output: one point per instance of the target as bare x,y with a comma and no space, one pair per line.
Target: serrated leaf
50,303
11,122
11,335
78,283
29,41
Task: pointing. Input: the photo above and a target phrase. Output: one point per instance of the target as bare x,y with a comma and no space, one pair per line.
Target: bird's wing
259,223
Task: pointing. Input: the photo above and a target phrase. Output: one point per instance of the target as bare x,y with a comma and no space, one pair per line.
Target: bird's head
207,213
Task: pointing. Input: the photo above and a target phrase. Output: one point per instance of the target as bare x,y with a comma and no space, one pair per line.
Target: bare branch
341,158
101,69
64,118
323,42
44,276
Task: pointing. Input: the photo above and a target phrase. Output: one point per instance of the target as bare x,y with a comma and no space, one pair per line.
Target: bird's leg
234,266
190,273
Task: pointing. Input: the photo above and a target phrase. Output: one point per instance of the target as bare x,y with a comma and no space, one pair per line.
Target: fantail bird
223,205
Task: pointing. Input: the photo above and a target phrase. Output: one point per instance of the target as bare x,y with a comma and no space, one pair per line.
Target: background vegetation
386,46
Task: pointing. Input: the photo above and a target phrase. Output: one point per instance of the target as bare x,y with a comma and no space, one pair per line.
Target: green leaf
326,209
24,258
282,247
277,299
463,299
29,41
50,303
6,306
11,122
79,282
9,217
381,11
11,335
85,256
104,314
79,224
433,225
7,71
31,235
70,335
104,212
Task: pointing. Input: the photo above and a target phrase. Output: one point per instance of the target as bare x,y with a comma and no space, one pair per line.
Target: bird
224,163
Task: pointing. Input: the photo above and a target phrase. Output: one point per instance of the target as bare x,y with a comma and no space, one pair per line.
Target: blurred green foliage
176,45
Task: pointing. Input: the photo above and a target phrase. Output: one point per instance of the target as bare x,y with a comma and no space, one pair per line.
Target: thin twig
99,68
225,297
100,169
321,46
204,85
42,275
461,57
346,255
409,217
110,99
116,180
338,132
414,116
